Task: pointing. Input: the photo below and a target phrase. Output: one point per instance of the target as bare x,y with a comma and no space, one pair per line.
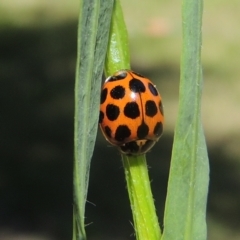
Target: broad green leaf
93,33
185,209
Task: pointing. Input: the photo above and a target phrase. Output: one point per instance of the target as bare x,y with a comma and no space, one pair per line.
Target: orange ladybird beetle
131,112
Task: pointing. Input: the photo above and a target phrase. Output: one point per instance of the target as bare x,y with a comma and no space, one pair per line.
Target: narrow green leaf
118,56
93,32
185,210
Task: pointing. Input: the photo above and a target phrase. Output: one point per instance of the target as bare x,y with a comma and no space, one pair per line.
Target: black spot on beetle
112,112
117,92
122,132
152,89
150,108
142,131
108,131
112,79
161,107
104,95
101,116
137,86
131,110
139,75
158,129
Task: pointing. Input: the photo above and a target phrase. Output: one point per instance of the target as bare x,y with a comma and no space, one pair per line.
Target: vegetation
38,29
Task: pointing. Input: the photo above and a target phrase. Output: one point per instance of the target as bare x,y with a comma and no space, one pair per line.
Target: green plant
185,210
93,31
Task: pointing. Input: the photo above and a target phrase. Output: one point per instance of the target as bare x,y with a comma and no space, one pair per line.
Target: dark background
37,67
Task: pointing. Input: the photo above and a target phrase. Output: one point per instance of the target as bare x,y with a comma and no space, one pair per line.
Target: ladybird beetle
131,112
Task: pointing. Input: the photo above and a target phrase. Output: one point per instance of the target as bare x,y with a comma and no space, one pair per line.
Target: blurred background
37,68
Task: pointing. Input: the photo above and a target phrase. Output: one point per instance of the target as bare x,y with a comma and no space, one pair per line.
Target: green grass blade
93,32
185,210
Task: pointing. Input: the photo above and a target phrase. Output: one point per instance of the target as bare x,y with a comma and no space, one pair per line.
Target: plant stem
142,203
143,209
118,56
